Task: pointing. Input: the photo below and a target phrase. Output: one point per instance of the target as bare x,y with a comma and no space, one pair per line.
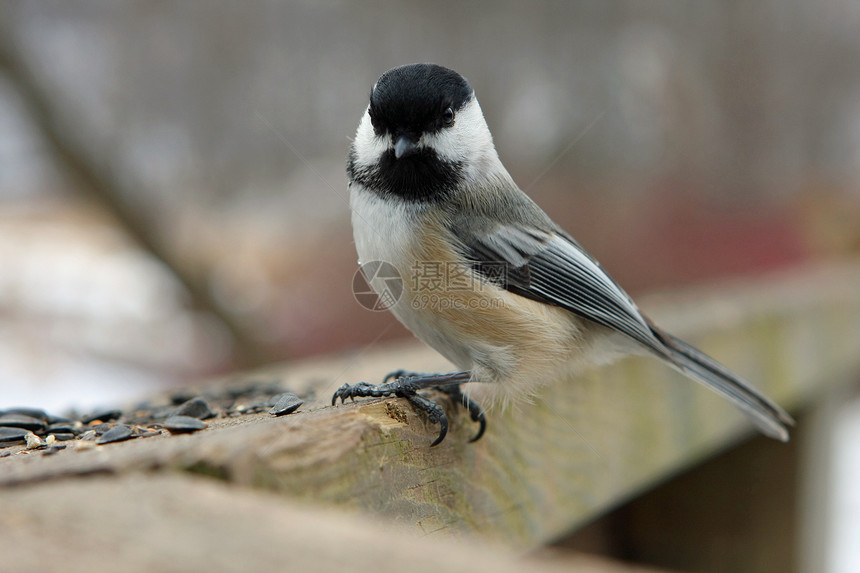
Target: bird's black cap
413,98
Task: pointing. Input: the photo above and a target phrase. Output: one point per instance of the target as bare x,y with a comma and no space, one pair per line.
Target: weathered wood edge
541,469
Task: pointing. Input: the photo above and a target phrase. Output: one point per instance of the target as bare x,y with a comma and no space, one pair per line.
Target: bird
514,301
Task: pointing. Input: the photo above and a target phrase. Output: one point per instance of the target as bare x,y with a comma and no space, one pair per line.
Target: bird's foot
405,384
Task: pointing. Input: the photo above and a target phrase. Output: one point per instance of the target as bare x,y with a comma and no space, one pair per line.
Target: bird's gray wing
548,266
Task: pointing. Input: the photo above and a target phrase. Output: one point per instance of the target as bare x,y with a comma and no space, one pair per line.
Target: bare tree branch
107,190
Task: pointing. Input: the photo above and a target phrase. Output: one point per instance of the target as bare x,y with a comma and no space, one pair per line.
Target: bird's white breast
380,228
391,230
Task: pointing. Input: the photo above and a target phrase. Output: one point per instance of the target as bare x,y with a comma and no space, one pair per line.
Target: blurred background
173,199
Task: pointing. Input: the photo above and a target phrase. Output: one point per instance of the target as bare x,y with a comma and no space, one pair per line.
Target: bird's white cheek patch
449,144
468,142
369,147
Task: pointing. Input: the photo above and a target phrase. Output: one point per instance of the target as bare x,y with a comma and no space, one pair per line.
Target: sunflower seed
116,434
286,403
183,424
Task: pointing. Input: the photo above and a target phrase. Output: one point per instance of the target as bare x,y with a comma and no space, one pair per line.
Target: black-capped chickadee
515,301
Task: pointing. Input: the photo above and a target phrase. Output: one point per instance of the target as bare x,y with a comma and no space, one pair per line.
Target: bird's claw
400,387
434,412
476,413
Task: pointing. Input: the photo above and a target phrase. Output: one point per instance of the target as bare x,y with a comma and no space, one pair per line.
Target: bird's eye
448,117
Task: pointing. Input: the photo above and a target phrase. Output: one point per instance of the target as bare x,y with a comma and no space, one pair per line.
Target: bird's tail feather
772,420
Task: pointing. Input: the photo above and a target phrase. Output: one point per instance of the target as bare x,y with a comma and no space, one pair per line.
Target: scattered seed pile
183,411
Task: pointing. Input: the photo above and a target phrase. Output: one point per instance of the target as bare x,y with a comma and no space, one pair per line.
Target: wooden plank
585,445
177,523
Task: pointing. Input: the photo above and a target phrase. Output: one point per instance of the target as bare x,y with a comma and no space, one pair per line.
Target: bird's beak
404,146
